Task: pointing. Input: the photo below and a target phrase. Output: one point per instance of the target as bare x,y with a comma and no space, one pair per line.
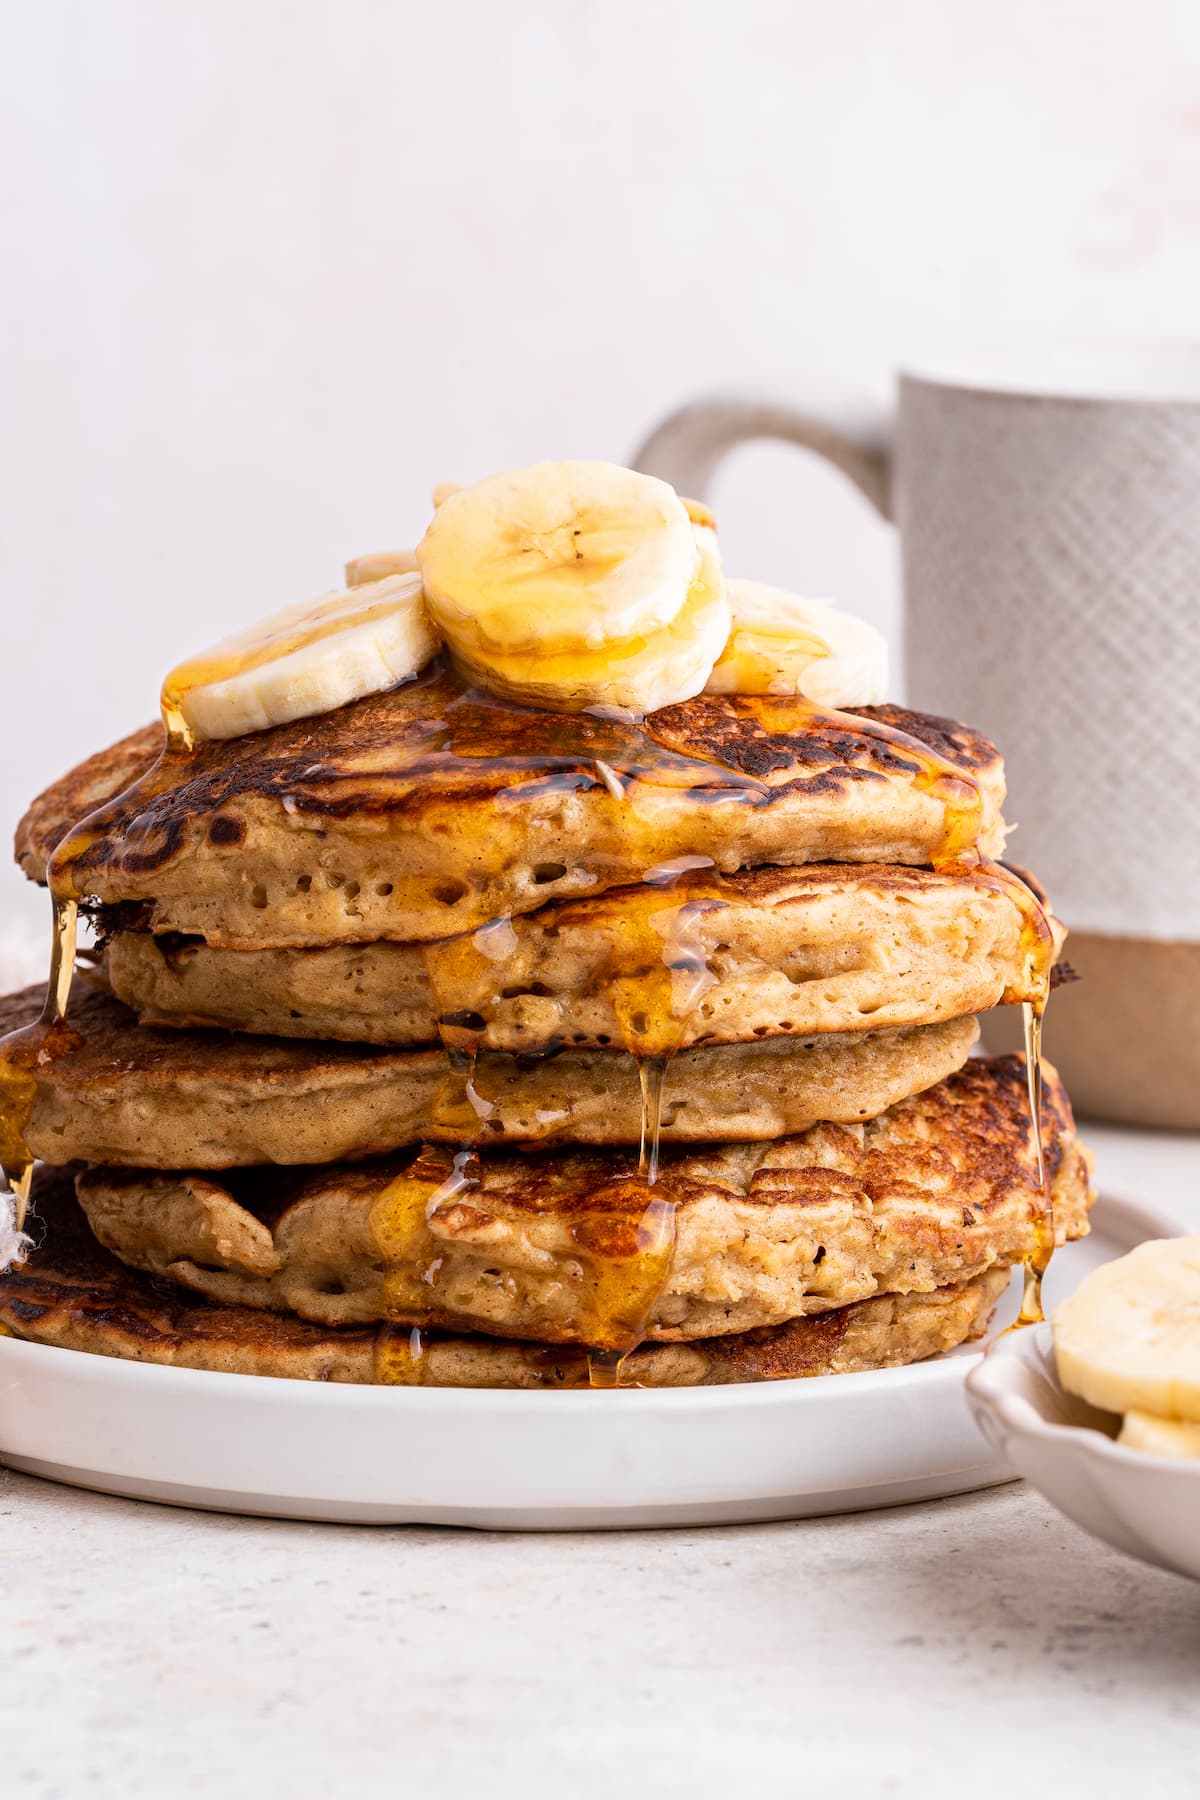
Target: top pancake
430,809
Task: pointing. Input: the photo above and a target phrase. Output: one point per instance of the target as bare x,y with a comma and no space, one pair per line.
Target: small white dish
1148,1506
518,1461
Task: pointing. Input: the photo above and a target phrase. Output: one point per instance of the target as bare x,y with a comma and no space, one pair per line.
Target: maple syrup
955,789
1037,945
399,1222
626,1239
25,1052
400,1355
296,628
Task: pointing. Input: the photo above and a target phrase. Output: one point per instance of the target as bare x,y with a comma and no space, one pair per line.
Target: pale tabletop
979,1646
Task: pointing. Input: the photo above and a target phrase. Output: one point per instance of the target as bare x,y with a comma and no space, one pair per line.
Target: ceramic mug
1048,504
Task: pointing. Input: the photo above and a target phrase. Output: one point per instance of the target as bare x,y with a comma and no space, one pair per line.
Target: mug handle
688,446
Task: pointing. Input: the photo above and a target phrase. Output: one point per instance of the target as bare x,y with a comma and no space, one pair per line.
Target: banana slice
306,660
377,567
558,557
630,679
1160,1437
577,584
702,517
781,644
1128,1338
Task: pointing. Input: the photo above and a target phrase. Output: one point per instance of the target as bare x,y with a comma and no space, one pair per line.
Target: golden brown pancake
759,953
73,1294
114,1091
431,809
933,1192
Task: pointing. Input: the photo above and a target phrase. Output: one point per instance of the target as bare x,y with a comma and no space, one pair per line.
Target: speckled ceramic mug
1048,502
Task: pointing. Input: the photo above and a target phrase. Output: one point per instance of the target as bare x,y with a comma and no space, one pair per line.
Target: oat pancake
118,1092
933,1192
431,809
779,951
73,1294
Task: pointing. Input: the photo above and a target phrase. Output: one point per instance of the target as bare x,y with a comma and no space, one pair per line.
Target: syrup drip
399,1222
961,797
1037,946
402,1214
652,1073
400,1356
1036,1264
25,1052
626,1240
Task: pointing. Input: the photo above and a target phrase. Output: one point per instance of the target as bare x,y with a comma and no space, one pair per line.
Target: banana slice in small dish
1159,1437
1128,1339
1100,1410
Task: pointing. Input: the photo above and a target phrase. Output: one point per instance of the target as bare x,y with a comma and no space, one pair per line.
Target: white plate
1148,1506
517,1461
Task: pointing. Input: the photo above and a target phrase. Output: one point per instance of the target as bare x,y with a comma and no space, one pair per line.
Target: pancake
73,1294
777,951
110,1090
934,1192
431,809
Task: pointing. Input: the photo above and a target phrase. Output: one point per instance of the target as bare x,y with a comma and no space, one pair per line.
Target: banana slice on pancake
577,584
361,570
629,678
308,659
782,644
1128,1339
568,585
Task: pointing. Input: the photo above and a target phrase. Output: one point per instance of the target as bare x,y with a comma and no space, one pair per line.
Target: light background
273,269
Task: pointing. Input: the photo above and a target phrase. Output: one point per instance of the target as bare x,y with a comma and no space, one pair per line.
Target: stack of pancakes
439,1039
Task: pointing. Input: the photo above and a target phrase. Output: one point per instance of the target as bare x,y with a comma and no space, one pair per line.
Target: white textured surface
980,1646
276,268
975,1646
